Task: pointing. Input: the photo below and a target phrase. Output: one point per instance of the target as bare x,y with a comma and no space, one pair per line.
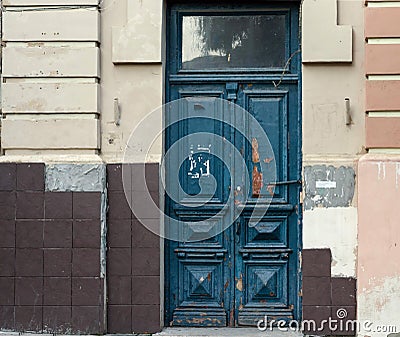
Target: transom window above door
234,41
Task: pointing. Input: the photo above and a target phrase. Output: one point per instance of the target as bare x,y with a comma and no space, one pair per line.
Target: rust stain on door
257,182
255,155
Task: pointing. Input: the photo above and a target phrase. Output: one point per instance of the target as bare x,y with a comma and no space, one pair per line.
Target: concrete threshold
225,332
188,332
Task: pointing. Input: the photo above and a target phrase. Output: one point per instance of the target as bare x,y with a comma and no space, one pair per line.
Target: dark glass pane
223,42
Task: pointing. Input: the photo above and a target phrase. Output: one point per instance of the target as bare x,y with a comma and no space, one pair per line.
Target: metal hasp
232,89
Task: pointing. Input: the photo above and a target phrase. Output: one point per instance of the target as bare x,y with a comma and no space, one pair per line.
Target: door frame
164,265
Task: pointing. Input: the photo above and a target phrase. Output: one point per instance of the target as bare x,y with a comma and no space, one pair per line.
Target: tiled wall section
324,296
49,253
133,257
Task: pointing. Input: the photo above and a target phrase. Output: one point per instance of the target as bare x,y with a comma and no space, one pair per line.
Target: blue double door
237,260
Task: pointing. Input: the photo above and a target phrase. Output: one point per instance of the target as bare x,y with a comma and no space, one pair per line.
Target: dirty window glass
223,42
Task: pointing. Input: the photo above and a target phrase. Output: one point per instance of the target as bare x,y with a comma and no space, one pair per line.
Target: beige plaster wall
137,85
327,140
325,87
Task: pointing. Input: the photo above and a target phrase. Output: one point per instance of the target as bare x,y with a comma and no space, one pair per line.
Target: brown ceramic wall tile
28,318
57,319
86,234
145,205
86,205
58,205
29,233
30,177
119,319
28,291
145,177
57,291
343,291
30,205
119,261
123,260
7,233
8,174
316,262
7,205
119,289
145,261
116,173
142,237
146,318
343,314
119,233
7,317
85,262
6,291
316,314
324,295
57,262
316,291
86,320
45,247
7,258
118,206
29,262
57,233
86,291
145,290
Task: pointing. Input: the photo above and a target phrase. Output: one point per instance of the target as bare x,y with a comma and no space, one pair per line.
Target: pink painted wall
379,240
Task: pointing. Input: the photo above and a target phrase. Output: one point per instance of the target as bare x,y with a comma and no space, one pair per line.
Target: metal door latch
288,182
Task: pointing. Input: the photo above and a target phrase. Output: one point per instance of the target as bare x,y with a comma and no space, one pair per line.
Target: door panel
269,107
251,269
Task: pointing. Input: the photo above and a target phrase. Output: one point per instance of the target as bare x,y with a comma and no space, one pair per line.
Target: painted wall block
381,59
139,41
51,25
328,186
322,39
382,22
40,61
75,177
50,134
50,97
336,229
382,95
49,2
382,132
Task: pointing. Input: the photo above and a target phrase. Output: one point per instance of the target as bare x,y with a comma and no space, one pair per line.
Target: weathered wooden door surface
242,269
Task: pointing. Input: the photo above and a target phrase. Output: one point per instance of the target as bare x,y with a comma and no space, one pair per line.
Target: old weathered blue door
229,268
